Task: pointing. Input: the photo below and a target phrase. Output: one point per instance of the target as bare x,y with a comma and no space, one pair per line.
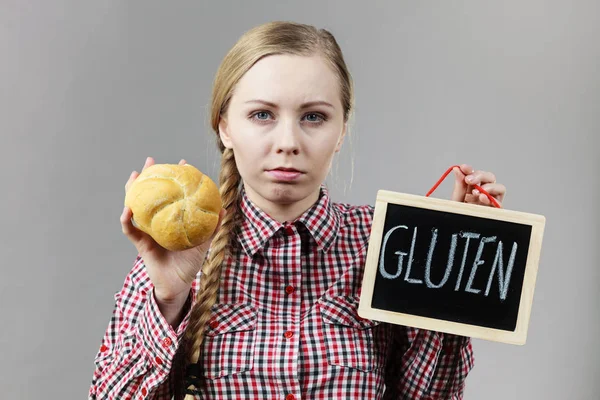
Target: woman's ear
341,139
224,133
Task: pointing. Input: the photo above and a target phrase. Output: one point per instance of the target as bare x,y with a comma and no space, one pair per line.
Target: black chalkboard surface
451,267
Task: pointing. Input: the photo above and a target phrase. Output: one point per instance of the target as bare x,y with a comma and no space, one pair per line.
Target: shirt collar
322,220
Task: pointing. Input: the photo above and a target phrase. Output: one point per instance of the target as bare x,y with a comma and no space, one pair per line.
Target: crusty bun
175,204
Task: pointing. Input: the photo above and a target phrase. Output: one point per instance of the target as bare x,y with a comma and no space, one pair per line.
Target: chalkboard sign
451,267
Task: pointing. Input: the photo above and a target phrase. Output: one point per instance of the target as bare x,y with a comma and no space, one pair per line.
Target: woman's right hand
171,272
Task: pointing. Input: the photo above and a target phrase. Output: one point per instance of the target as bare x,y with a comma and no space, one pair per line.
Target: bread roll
175,204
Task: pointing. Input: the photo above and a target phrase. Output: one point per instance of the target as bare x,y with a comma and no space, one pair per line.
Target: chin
284,192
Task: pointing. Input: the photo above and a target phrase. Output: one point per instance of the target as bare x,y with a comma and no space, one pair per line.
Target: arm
139,344
454,364
426,365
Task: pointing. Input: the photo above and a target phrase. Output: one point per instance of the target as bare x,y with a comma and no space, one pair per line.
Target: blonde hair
272,38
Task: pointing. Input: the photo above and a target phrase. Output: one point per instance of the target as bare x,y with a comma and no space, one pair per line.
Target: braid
229,180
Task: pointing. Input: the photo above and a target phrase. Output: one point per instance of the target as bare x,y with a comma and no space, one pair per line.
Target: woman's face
284,123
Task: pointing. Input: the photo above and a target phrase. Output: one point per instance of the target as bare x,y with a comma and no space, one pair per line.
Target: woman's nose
287,138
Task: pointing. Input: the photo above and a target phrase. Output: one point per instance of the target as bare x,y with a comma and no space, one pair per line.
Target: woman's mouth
284,174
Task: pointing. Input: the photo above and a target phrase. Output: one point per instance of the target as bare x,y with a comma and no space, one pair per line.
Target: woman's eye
315,118
262,115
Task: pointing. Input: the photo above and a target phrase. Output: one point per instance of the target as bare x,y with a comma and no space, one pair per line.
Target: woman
273,314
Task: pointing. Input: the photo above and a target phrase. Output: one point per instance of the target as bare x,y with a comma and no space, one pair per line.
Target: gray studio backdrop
89,89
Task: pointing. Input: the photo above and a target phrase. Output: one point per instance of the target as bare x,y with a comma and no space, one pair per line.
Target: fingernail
469,178
475,192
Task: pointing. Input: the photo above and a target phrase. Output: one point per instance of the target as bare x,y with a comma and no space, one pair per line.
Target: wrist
169,298
172,308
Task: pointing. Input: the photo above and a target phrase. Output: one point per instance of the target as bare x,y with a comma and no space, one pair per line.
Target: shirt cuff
453,344
160,339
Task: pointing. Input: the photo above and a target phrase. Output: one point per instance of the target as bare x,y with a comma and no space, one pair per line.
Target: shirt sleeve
138,347
425,365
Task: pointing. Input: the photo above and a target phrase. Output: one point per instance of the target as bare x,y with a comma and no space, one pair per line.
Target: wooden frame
519,335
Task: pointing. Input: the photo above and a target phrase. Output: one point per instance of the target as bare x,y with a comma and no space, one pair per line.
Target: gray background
89,89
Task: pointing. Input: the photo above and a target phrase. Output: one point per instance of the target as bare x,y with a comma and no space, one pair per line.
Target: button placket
289,267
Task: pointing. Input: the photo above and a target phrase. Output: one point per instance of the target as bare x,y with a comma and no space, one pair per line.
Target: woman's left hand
464,191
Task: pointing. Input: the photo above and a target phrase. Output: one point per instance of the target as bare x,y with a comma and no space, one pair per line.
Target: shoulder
355,221
351,214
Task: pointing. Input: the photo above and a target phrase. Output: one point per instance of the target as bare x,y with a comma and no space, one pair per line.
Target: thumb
207,243
222,214
460,186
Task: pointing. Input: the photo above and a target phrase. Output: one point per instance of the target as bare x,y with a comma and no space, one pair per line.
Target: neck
284,211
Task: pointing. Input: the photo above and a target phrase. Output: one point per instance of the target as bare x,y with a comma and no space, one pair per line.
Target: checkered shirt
285,324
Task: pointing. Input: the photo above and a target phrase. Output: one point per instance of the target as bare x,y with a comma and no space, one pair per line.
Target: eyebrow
302,107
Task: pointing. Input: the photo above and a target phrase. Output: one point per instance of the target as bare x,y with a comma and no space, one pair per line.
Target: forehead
289,79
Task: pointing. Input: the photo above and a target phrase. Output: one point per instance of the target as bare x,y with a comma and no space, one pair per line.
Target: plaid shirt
285,324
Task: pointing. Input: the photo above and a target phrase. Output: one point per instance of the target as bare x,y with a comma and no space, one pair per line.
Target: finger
480,177
472,199
495,189
489,202
484,200
132,233
182,162
460,187
208,242
149,162
132,178
466,169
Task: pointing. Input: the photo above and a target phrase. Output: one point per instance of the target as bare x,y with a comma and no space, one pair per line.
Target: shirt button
288,334
289,289
158,360
167,342
289,230
103,348
290,397
144,391
214,324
